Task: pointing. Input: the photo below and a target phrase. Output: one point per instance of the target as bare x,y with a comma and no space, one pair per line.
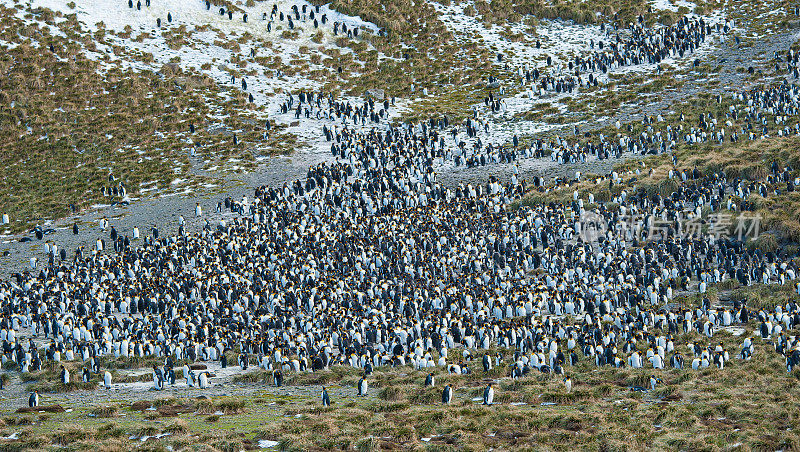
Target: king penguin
33,400
488,395
447,395
362,386
326,400
429,380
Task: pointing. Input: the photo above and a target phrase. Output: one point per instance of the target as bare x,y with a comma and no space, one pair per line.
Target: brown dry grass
66,123
749,402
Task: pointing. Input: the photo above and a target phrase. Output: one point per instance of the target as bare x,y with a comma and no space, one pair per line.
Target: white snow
205,51
208,33
673,5
559,39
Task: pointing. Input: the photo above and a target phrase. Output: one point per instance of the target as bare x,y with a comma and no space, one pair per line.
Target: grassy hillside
68,121
749,160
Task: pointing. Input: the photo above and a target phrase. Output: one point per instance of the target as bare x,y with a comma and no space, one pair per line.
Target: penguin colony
369,261
765,112
373,263
635,45
304,13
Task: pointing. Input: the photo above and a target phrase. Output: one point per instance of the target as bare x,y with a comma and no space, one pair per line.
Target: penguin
429,380
203,380
107,380
653,382
277,378
33,400
74,228
64,376
568,384
488,395
362,386
326,400
677,361
158,379
85,375
447,395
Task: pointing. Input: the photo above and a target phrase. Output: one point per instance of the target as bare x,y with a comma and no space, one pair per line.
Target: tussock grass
231,406
600,408
105,411
67,122
110,430
69,434
258,376
324,377
57,386
227,406
760,296
752,402
750,160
